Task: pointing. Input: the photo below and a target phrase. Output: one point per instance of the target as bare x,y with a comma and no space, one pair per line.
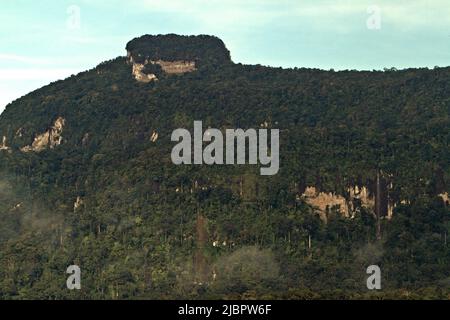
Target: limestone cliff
140,76
79,202
168,67
445,198
49,139
324,201
3,146
176,67
347,205
173,54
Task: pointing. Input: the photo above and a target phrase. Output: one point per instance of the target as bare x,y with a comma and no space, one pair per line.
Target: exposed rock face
154,136
49,139
172,54
3,146
78,204
445,198
348,205
362,194
140,76
324,201
176,67
169,67
390,210
19,132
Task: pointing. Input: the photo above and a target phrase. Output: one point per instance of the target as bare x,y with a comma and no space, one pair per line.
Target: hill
87,179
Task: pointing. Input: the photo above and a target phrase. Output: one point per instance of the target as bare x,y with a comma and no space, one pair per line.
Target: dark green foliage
137,233
172,47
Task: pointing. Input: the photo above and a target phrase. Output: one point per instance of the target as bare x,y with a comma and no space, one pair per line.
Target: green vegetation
205,49
147,228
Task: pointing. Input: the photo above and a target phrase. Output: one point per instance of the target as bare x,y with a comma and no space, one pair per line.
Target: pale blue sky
42,41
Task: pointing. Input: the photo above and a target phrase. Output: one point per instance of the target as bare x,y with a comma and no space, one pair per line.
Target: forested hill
87,179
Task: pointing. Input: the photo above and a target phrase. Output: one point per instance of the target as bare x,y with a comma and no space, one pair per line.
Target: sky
48,40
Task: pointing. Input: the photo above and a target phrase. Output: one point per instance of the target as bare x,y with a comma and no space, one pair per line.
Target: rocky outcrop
356,197
347,205
168,67
3,146
325,201
19,133
49,139
445,198
151,56
154,136
78,204
363,195
176,67
140,76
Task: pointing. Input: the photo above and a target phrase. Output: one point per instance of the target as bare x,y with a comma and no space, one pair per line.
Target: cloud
24,59
220,14
402,14
36,74
410,14
79,39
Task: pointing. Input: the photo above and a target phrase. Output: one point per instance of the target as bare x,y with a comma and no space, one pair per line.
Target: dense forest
107,197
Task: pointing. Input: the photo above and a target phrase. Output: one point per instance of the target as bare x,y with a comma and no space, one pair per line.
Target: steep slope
95,150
